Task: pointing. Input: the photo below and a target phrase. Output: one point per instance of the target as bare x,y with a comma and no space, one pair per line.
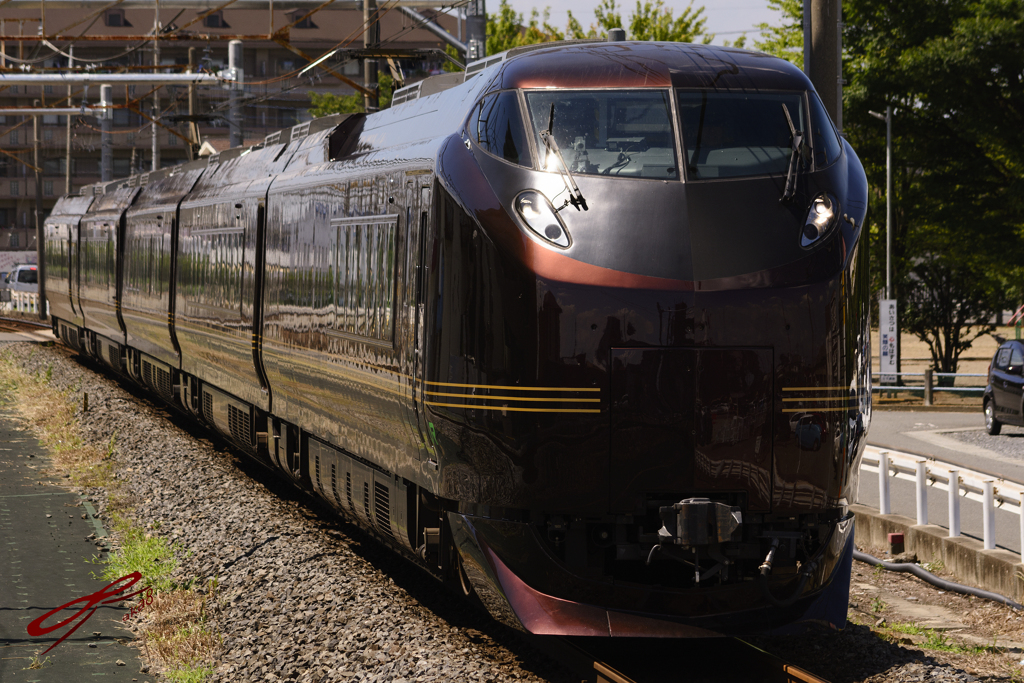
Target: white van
24,278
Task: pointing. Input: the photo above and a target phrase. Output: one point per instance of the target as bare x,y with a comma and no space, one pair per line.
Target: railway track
654,660
9,324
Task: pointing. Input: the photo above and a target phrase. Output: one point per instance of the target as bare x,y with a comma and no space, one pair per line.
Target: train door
74,228
417,274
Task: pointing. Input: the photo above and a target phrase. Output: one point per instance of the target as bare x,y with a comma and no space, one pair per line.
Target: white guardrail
25,303
958,482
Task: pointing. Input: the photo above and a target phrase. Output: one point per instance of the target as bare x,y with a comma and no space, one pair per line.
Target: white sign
888,350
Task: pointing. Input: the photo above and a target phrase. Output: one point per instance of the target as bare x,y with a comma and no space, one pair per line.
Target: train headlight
820,217
534,209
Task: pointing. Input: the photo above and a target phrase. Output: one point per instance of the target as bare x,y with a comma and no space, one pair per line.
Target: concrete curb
999,571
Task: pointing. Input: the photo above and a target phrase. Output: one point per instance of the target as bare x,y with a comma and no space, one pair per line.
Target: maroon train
584,328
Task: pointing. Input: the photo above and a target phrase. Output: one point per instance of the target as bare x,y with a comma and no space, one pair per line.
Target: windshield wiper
575,196
797,141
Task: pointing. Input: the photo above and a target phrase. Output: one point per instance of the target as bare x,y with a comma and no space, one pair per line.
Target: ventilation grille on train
317,460
147,374
208,407
348,489
334,484
300,130
410,92
114,356
382,508
366,500
241,428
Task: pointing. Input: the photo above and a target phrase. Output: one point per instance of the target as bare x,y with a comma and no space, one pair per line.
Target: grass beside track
176,630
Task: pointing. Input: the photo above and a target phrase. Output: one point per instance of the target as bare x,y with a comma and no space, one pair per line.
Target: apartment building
274,95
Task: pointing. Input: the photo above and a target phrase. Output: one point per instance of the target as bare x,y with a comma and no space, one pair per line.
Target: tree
505,30
954,75
325,104
948,307
787,40
651,21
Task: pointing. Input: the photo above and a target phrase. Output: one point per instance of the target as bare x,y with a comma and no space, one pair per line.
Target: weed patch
176,628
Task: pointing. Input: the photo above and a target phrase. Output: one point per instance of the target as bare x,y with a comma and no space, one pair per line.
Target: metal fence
959,483
973,382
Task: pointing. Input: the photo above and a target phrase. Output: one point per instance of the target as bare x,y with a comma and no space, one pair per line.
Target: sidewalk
44,553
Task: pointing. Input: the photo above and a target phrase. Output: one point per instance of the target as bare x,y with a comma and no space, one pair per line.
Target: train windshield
735,134
606,132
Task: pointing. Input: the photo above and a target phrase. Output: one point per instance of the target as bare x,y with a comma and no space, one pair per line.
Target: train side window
827,146
497,126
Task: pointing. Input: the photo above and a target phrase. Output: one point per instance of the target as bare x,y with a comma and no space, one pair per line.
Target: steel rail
646,660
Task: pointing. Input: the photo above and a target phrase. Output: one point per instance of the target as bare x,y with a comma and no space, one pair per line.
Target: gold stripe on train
514,409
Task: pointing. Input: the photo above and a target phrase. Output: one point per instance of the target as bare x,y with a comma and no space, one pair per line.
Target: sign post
888,329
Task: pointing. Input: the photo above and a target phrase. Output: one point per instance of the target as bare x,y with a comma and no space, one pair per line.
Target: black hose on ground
924,574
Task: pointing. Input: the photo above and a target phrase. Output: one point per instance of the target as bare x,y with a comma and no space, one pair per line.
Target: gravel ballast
307,597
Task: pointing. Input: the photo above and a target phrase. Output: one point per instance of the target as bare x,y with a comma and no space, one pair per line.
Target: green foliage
189,674
652,21
506,30
786,40
878,605
740,42
385,88
608,16
953,74
935,640
325,104
448,67
153,557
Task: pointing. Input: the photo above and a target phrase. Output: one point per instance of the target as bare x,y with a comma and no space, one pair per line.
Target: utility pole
823,49
106,154
67,151
40,237
193,127
476,30
156,93
236,75
371,38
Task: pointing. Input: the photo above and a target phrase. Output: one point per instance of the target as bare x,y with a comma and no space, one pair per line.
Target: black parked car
1005,390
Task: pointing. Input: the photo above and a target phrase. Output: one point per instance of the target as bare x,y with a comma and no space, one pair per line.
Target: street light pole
887,117
888,201
894,329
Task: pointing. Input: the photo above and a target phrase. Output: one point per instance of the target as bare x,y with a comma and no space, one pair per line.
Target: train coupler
699,522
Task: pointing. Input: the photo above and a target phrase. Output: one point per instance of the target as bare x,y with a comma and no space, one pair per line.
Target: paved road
956,438
43,565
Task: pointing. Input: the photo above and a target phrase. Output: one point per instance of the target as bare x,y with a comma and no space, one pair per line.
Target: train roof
623,64
650,65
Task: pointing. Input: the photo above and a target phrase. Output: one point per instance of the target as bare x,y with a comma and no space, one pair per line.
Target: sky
725,18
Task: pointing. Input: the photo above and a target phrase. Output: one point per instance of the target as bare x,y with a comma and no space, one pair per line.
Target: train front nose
689,421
